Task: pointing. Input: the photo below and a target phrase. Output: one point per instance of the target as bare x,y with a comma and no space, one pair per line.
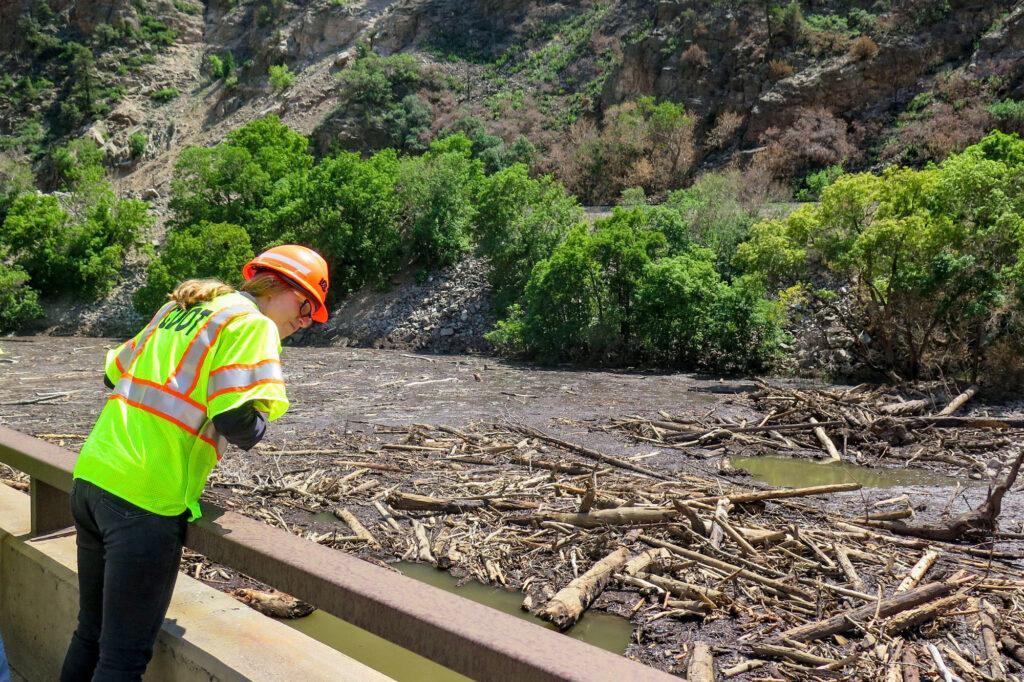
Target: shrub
215,65
79,252
827,23
862,20
933,257
779,69
15,180
696,56
788,21
816,138
519,223
164,94
815,183
437,192
863,48
137,144
281,78
628,293
642,144
715,214
19,303
1009,113
217,250
726,125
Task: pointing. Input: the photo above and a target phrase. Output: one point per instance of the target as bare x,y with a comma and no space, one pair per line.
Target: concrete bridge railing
470,638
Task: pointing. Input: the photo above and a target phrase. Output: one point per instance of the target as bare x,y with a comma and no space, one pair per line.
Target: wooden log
1012,648
640,562
717,531
793,654
571,469
387,516
722,521
958,402
566,607
358,528
826,442
367,465
851,573
273,604
940,664
422,542
922,614
910,668
587,452
728,568
781,493
702,664
918,571
414,502
887,607
745,666
907,407
997,671
623,516
706,595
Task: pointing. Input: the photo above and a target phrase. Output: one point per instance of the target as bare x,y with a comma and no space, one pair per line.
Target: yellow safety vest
154,443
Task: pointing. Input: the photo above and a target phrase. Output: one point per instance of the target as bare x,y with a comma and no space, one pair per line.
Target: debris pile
751,583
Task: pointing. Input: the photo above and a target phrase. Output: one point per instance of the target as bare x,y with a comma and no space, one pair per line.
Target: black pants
127,564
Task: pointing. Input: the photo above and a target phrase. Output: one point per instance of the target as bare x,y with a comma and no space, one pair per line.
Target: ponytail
193,291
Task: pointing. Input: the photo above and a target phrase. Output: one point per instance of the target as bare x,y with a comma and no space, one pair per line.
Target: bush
695,56
80,251
1009,113
816,138
933,257
815,183
437,192
642,144
281,78
863,48
232,181
19,303
217,250
15,180
137,144
519,223
627,292
164,94
715,214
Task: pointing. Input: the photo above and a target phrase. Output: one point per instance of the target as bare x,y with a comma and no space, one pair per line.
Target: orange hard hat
301,266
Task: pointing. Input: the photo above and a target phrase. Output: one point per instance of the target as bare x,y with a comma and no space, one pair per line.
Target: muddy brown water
600,629
797,473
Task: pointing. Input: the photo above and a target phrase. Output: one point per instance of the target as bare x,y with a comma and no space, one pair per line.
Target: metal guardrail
472,639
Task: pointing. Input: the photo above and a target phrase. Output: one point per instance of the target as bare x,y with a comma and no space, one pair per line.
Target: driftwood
587,452
782,493
702,664
566,607
958,402
844,622
358,528
274,604
1012,648
425,503
979,523
826,442
922,614
918,571
623,516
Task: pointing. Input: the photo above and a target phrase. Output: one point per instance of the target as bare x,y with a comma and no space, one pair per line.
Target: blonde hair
193,291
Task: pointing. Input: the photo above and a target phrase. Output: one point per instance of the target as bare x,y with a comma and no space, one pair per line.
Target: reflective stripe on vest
131,351
159,400
243,377
186,375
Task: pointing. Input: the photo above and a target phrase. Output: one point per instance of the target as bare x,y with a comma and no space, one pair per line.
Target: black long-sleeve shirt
243,426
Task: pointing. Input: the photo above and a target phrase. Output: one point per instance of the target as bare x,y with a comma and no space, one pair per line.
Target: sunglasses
306,309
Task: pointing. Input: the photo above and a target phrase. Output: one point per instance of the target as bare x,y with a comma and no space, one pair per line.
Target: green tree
19,303
281,77
519,222
217,250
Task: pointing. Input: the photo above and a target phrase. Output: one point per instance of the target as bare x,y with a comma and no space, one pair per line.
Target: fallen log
571,469
569,603
586,452
1012,648
423,550
622,516
826,442
844,622
414,502
958,402
911,669
358,528
274,604
922,614
702,664
918,571
780,493
793,654
728,568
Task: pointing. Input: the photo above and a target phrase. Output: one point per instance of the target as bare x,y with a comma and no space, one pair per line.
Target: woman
204,372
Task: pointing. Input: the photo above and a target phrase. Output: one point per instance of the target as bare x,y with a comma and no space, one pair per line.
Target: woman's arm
243,426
